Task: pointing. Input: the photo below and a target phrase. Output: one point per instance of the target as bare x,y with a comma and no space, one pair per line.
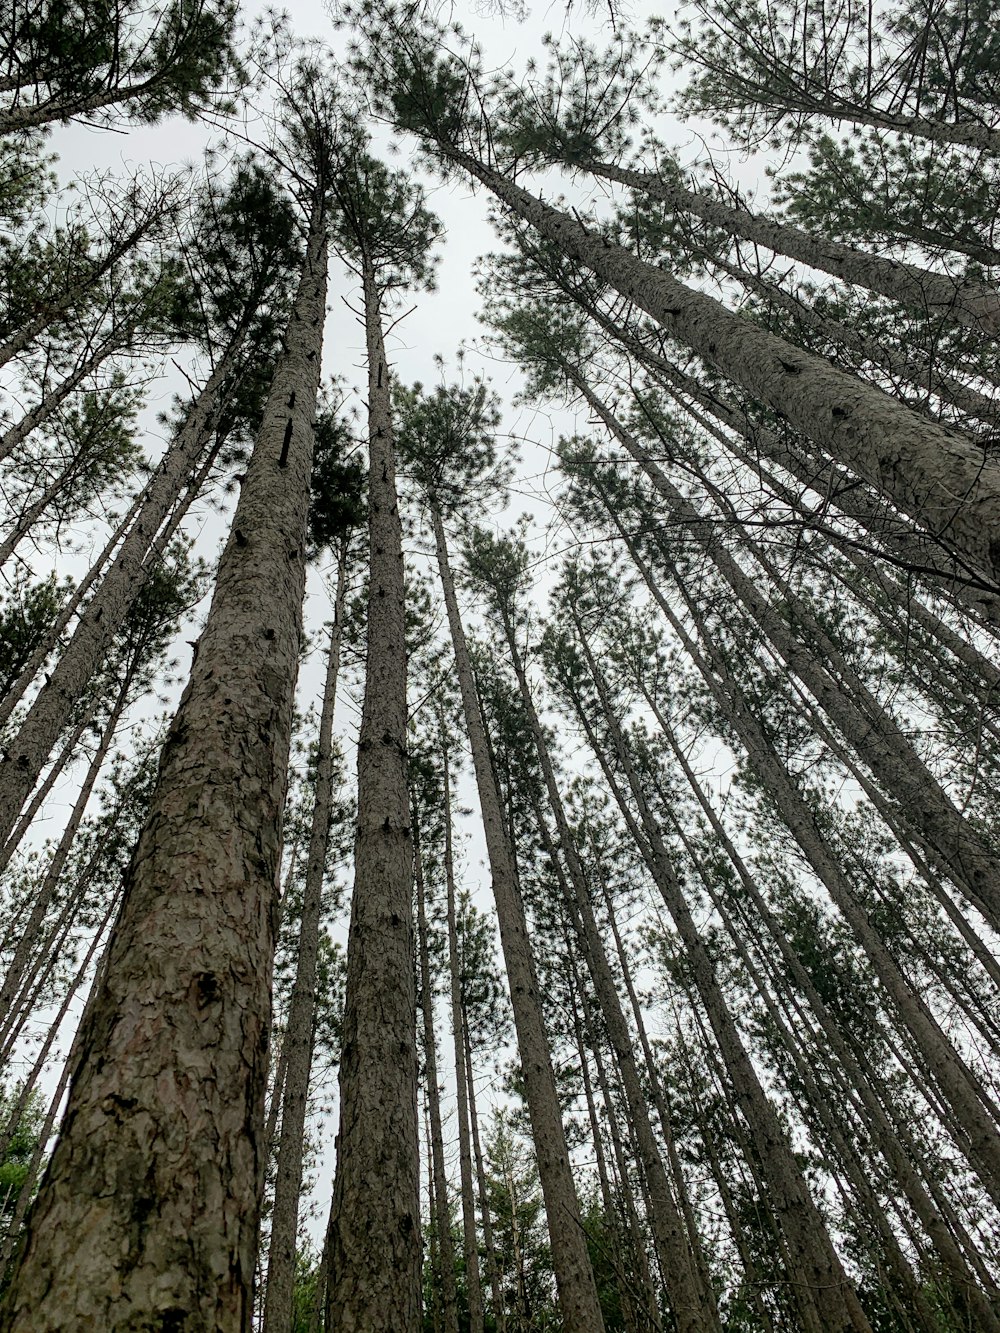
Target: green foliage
27,611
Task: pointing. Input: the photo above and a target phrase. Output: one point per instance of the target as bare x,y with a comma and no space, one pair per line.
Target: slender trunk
575,1283
928,472
648,1302
446,1248
473,1282
957,848
26,1086
52,309
689,1301
68,752
107,610
493,1272
297,1046
919,371
148,1214
375,1227
19,687
914,552
966,301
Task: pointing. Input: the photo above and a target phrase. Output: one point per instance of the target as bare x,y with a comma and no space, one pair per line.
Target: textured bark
107,610
148,1214
966,301
689,1302
577,1290
824,1296
374,1243
445,1245
929,472
473,1281
953,844
297,1044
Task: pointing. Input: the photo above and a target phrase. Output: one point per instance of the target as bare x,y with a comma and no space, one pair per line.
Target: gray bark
577,1290
374,1241
148,1213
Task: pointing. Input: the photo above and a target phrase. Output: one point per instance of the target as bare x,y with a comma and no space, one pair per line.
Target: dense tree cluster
711,1044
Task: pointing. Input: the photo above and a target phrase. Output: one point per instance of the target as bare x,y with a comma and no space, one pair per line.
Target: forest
499,667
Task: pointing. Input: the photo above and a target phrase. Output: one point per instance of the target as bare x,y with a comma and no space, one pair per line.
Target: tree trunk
28,941
499,1311
473,1282
446,1248
957,848
148,1214
375,1257
114,342
980,1141
577,1289
297,1047
690,1303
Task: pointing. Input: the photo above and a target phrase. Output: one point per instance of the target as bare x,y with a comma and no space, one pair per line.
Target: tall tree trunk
297,1046
374,1277
28,941
53,399
958,849
577,1289
473,1282
493,1272
978,1137
148,1213
445,1245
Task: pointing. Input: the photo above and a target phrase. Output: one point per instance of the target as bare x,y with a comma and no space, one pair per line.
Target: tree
384,233
195,936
